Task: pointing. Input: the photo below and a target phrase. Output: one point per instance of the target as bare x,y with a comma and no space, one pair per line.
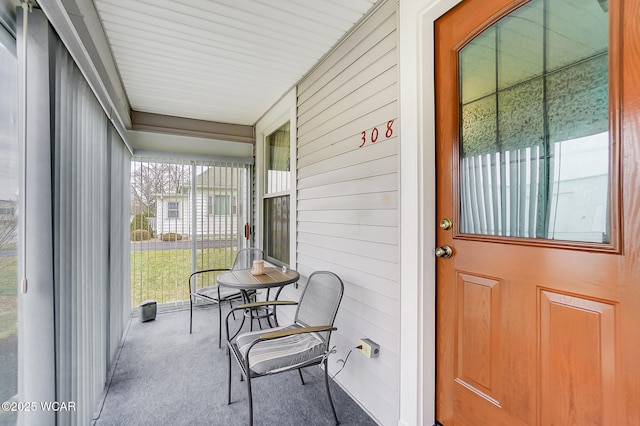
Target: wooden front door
538,174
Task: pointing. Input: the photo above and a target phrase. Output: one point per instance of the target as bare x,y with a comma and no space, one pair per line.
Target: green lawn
162,275
8,296
155,274
8,276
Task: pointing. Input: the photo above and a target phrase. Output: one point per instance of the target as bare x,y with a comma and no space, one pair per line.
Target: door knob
445,252
446,224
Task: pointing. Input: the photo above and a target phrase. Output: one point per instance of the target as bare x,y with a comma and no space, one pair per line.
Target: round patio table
244,280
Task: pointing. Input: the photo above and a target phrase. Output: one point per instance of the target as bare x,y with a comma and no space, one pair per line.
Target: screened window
277,198
219,205
278,161
276,239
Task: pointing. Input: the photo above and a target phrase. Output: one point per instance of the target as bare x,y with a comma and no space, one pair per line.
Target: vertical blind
90,199
119,273
8,218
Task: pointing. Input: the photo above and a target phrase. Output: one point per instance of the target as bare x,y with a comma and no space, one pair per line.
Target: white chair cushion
282,353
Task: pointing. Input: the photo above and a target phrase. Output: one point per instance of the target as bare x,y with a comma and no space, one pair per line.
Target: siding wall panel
305,151
364,233
378,183
357,171
378,268
379,251
379,76
380,200
341,164
362,324
325,136
359,42
359,102
351,217
373,293
347,200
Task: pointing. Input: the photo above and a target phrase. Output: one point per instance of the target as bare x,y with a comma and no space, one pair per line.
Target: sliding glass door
186,215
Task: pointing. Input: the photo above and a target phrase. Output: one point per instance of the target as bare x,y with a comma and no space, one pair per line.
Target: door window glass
534,140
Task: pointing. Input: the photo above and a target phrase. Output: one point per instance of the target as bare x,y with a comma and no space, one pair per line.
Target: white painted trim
149,143
417,209
284,110
293,208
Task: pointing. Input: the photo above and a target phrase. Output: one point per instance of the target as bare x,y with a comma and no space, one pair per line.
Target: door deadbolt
444,252
446,224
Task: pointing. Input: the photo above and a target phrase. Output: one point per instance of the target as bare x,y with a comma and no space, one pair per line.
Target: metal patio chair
203,285
303,343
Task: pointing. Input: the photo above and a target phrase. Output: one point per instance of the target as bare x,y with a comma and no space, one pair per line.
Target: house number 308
376,135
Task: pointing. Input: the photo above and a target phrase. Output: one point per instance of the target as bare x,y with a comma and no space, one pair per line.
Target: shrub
140,235
171,236
140,222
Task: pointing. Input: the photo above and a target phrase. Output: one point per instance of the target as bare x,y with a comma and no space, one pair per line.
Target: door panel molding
572,328
478,335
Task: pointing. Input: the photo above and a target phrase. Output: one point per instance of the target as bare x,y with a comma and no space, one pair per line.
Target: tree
150,180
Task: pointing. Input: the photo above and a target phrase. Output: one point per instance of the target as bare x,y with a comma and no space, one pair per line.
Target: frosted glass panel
521,115
479,126
577,100
534,142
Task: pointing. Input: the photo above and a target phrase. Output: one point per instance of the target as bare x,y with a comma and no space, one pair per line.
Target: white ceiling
225,61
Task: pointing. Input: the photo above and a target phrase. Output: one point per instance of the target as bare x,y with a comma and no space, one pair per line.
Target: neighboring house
217,205
7,208
8,222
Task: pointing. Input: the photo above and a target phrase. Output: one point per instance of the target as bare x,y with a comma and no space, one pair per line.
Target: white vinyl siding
347,200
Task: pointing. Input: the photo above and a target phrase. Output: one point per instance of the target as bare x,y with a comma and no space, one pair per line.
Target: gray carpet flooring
165,376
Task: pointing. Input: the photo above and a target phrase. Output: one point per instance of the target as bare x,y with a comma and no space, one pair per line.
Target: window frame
614,214
274,195
214,206
175,210
285,110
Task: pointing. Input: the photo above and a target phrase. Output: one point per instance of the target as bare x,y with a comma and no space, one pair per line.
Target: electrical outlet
370,349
